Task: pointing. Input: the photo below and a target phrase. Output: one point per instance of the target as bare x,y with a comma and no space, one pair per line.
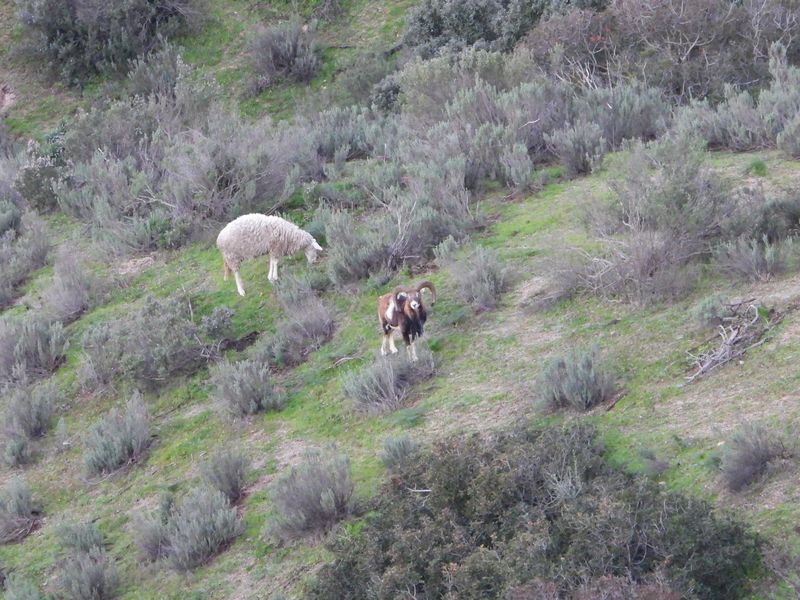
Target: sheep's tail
226,270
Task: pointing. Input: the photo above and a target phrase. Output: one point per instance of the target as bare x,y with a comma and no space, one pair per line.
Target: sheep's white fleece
255,235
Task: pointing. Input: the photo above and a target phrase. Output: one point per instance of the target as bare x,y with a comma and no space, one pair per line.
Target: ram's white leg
412,351
384,343
239,286
392,347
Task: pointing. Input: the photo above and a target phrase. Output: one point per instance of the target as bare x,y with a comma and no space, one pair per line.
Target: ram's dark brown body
403,311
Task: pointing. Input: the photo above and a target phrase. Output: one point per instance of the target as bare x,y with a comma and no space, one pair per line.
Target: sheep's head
312,251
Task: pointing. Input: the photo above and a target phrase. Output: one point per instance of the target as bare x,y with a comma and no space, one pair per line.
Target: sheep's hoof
383,352
394,350
241,292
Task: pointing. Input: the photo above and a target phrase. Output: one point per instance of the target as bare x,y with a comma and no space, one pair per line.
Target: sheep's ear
317,246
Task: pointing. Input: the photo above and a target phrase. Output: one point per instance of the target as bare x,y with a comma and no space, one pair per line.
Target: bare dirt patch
135,266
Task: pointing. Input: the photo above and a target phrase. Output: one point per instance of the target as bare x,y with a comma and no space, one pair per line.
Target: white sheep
255,235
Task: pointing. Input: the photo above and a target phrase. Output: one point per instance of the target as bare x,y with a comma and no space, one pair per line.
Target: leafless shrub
314,495
749,454
578,380
19,514
754,260
75,289
286,51
384,384
226,471
200,527
245,388
120,438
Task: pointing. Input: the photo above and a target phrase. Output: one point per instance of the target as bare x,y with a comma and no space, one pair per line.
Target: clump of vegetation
16,587
755,260
218,325
384,384
313,496
245,388
120,438
30,348
19,513
749,454
284,52
578,380
151,530
81,39
480,278
226,471
24,245
579,147
29,411
17,451
713,311
75,289
87,573
505,514
306,324
396,451
200,527
152,346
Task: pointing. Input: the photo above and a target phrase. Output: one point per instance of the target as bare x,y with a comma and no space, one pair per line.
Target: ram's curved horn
399,290
431,287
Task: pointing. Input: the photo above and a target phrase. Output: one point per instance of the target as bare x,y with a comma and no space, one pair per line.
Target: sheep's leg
392,347
384,344
412,351
226,270
239,285
273,269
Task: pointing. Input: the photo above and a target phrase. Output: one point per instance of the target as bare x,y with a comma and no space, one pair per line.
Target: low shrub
788,140
120,438
712,311
226,471
29,411
218,325
397,451
517,167
775,219
355,251
579,147
200,527
154,344
19,513
306,324
480,278
314,495
537,511
156,73
80,537
384,385
754,260
18,451
10,217
81,39
245,387
23,249
284,52
88,576
30,348
749,454
151,530
578,380
75,289
16,587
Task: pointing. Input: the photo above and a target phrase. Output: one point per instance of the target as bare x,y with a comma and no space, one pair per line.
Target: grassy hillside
489,362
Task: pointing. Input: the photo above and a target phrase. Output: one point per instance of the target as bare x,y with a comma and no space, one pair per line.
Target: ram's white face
414,299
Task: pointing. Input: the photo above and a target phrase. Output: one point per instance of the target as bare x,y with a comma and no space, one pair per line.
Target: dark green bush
120,438
245,388
19,513
314,495
539,512
200,527
226,471
578,380
79,39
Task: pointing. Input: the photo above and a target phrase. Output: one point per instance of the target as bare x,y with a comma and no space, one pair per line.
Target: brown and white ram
402,311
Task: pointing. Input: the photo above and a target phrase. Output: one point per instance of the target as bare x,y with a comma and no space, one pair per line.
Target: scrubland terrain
604,195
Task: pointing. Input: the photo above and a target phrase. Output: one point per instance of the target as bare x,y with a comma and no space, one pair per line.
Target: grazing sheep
402,310
254,235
